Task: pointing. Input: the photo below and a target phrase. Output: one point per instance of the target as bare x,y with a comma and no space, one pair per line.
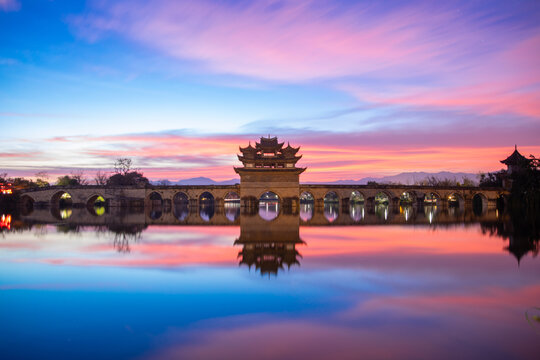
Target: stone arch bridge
85,196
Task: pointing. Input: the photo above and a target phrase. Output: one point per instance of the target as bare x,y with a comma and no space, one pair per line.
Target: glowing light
5,222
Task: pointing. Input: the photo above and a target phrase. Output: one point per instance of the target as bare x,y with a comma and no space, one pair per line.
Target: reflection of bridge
266,246
311,215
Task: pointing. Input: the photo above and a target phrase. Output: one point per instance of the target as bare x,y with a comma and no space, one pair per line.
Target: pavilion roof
269,144
515,159
270,151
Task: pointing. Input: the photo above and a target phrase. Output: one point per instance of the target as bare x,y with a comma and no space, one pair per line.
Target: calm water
216,284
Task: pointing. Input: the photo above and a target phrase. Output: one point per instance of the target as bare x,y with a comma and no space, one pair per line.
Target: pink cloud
508,83
472,64
9,5
298,40
328,157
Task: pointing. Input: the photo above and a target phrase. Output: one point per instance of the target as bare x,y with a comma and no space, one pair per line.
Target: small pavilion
515,162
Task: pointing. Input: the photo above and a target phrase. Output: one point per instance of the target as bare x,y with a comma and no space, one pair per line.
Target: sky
365,88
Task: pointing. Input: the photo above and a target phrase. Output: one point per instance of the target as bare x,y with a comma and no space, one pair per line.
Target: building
515,162
269,167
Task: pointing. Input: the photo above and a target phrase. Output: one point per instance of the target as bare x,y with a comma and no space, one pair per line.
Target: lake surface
319,284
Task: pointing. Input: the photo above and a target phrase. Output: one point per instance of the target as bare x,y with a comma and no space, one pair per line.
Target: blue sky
446,78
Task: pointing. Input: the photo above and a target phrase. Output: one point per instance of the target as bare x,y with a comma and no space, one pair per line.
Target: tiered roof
269,258
515,159
269,153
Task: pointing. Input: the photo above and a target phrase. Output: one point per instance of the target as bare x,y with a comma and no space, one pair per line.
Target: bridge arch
207,198
331,197
269,205
383,198
479,203
61,199
181,205
207,203
181,198
357,196
26,204
407,198
456,200
432,198
155,200
306,197
95,205
231,197
331,202
231,203
307,206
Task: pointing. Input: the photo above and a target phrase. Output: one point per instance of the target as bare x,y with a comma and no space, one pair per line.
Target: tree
468,182
78,176
67,180
101,178
133,178
492,179
4,177
42,179
125,175
122,166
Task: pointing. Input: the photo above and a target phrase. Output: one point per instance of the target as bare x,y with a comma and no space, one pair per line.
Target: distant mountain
409,178
406,178
197,181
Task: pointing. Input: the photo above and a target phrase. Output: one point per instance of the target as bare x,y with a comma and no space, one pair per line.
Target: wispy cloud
10,5
328,156
453,56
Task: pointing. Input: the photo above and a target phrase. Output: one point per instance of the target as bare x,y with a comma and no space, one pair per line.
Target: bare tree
3,177
122,166
101,178
78,176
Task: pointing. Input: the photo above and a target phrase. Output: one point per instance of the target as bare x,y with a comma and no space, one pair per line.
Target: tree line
123,175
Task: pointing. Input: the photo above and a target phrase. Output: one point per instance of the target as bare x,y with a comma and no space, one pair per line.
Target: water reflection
341,286
124,235
381,210
181,211
357,211
307,206
306,211
232,210
99,210
331,211
430,211
207,211
407,211
5,221
269,206
65,213
155,212
269,247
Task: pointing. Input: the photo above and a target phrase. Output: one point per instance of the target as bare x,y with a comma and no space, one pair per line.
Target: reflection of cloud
9,5
420,327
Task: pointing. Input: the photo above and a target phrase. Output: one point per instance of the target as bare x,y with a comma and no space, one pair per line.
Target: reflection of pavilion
269,246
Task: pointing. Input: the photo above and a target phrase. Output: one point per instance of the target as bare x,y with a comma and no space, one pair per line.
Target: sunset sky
365,88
